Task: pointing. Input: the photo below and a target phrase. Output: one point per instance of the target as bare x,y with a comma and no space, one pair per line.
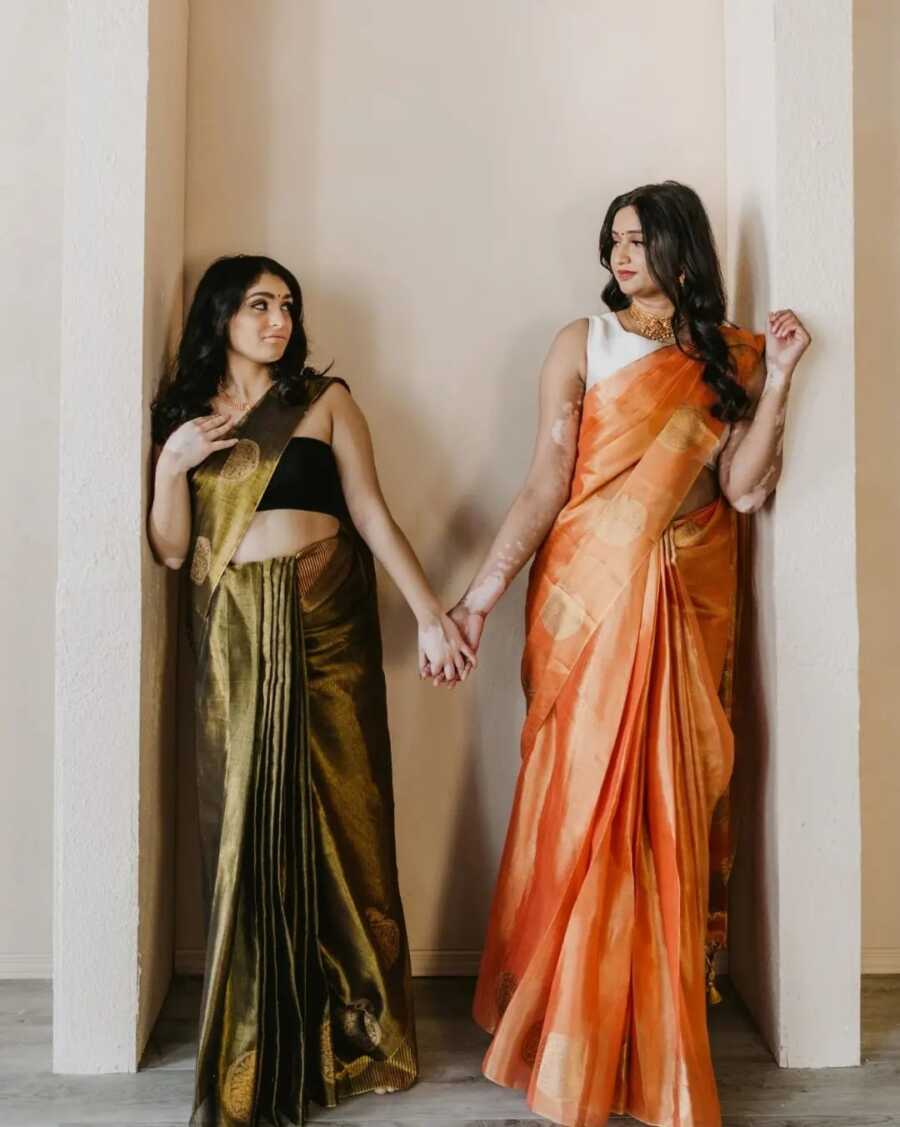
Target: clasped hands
448,646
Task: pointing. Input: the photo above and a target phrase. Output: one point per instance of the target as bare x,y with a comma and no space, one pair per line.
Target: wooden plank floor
451,1092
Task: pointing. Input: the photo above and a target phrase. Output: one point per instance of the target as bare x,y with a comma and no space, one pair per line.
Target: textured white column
796,934
108,615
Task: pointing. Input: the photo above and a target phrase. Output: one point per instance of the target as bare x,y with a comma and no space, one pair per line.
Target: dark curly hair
678,240
202,354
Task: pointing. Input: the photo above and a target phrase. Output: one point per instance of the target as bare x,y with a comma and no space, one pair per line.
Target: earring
681,278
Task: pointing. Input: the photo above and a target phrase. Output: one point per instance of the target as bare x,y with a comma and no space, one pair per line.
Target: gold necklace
241,404
649,326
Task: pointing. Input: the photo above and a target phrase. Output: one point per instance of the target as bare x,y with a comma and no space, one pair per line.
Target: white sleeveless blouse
610,347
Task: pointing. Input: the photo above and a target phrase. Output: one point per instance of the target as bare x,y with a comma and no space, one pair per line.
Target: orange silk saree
593,977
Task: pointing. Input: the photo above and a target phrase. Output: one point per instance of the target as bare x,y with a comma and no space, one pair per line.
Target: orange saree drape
593,977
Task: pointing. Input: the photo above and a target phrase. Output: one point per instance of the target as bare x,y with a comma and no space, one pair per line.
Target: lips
281,339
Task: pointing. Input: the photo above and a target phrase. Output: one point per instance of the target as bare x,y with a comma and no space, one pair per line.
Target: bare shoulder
573,336
566,358
332,405
348,422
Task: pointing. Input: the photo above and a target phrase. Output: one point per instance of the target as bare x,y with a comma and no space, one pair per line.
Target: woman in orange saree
593,975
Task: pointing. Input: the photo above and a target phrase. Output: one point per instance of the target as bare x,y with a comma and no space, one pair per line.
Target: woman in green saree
265,483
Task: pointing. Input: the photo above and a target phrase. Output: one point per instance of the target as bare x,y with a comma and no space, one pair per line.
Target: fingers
210,422
424,670
223,443
778,323
784,323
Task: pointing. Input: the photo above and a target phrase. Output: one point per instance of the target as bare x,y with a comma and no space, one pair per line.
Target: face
628,260
262,326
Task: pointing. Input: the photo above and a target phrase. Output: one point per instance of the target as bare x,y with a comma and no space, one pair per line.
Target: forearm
169,525
522,532
394,552
755,467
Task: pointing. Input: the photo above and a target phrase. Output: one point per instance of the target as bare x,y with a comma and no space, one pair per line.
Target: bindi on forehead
267,293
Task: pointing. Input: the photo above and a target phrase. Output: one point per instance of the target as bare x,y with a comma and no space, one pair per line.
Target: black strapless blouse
306,477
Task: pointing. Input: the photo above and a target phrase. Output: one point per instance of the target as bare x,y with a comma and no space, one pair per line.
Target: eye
260,305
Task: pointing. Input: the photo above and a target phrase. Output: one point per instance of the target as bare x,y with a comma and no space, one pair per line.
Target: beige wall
790,195
121,270
32,88
163,299
436,175
877,159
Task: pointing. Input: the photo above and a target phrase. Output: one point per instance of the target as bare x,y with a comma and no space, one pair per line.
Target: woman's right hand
194,441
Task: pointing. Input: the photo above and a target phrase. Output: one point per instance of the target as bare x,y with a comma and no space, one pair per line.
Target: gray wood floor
451,1092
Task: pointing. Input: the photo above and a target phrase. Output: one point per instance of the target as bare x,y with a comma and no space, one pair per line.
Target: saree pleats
593,978
307,989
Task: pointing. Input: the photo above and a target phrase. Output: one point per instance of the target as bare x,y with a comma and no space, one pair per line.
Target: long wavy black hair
678,240
202,354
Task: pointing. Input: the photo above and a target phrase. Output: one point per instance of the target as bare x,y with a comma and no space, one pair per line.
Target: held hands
786,341
444,655
195,440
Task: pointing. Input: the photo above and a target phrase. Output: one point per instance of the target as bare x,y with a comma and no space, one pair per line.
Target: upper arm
353,452
562,384
753,381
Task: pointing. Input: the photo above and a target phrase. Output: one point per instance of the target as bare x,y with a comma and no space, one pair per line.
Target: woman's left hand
786,340
443,652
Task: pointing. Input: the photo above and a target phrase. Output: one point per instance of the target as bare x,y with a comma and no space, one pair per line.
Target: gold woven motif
684,431
621,520
561,615
241,462
386,934
531,1043
200,560
360,1024
240,1088
506,987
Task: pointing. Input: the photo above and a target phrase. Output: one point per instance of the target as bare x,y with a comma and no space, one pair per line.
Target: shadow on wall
752,963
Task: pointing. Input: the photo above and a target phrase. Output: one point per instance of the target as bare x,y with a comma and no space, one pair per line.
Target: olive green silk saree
307,986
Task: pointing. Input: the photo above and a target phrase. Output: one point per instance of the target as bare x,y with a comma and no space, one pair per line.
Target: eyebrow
265,293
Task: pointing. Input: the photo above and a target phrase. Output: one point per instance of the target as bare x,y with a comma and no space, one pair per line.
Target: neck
246,379
654,305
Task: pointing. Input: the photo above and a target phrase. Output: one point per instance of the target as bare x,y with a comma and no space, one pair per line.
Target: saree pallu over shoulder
593,977
307,989
228,486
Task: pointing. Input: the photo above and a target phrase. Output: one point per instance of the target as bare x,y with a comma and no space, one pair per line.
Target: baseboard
444,964
26,966
881,960
190,960
425,963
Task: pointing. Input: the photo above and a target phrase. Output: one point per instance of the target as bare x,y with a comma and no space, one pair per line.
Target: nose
277,319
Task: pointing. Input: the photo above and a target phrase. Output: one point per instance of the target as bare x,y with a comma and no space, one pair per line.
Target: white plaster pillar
795,940
108,626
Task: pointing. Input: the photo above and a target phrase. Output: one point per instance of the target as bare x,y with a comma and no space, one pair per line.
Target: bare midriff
704,490
283,532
